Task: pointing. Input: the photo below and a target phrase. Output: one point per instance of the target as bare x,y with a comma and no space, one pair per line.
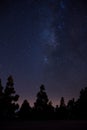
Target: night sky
44,42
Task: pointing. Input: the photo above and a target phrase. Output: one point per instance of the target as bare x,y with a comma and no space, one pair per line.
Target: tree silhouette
62,109
82,104
50,110
41,104
10,98
42,100
62,102
71,109
25,110
50,107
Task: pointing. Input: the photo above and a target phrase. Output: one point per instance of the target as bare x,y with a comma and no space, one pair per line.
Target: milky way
44,42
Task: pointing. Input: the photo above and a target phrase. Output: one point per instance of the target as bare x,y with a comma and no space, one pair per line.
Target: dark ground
43,125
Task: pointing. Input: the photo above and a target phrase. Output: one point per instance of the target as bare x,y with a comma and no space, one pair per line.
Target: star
46,60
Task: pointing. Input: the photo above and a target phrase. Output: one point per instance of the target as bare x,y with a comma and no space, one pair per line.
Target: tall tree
62,109
10,98
82,104
42,100
71,109
62,102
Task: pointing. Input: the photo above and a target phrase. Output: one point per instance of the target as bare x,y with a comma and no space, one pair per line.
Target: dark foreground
43,125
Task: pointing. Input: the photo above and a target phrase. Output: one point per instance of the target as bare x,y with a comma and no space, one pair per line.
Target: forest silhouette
42,108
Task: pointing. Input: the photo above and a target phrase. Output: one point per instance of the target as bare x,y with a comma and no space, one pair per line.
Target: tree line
42,108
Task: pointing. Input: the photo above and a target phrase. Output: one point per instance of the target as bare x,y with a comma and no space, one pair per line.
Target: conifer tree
25,110
10,98
42,100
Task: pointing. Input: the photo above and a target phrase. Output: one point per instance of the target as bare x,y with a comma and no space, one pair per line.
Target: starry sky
44,42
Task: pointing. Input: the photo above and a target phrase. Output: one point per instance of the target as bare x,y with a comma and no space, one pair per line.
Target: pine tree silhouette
42,99
10,98
71,109
25,110
82,104
41,104
62,109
